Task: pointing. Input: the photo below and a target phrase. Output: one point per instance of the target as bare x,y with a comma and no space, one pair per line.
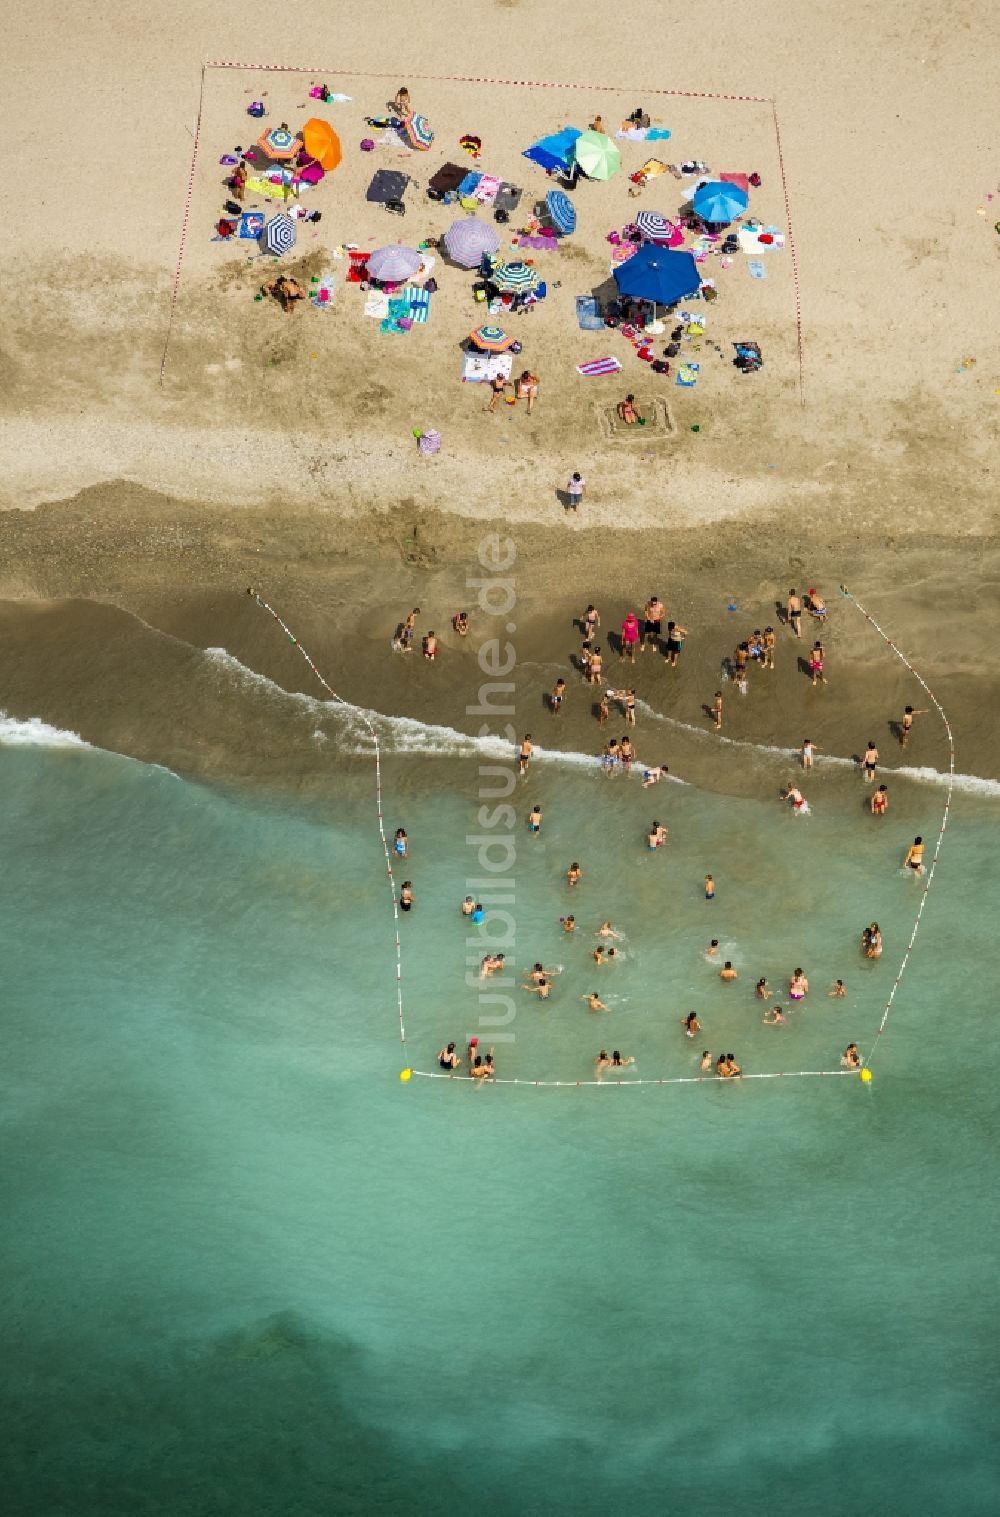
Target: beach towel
377,304
588,314
756,268
398,319
479,368
469,184
251,225
272,186
321,293
599,366
418,302
751,239
687,375
487,189
644,133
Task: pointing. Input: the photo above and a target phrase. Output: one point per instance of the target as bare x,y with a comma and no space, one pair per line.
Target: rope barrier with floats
409,1073
944,818
378,796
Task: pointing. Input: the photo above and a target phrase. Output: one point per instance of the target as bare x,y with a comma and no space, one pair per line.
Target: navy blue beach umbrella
658,274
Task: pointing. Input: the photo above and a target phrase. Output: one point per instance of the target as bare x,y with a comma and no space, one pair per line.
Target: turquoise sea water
246,1269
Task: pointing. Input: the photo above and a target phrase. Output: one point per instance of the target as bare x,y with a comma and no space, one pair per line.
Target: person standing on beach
768,641
817,658
653,613
595,667
675,642
576,488
603,709
535,819
870,762
524,755
590,622
808,752
408,631
630,708
556,696
717,710
793,613
906,724
817,606
630,637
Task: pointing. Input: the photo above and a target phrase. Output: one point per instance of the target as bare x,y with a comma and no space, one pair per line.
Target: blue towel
418,301
469,183
588,314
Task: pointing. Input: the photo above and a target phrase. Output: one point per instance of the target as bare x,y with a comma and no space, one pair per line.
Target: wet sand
124,666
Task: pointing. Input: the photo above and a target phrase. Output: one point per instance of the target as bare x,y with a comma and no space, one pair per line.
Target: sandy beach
280,450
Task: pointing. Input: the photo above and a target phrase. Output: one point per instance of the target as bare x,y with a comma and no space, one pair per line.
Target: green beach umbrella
596,155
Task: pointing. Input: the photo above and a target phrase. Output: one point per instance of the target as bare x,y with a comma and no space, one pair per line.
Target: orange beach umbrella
321,142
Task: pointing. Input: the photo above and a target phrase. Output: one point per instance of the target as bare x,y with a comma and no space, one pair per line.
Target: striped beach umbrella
561,211
278,236
394,263
279,142
469,240
418,133
491,339
654,227
513,278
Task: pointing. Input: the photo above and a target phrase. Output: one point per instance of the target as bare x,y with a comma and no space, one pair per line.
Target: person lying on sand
287,292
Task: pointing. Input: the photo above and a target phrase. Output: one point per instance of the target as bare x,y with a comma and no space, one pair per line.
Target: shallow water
247,1269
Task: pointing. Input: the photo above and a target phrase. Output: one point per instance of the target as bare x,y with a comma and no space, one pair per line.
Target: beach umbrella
279,142
394,263
561,211
658,275
654,227
555,153
491,339
418,133
514,278
596,155
321,142
278,236
720,203
468,240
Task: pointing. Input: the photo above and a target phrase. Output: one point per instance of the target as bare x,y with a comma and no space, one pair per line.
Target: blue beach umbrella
658,275
561,212
555,153
719,202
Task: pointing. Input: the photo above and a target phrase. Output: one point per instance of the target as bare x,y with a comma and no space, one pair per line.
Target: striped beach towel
599,366
419,301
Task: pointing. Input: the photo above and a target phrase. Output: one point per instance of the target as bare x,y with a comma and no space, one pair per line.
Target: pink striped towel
599,366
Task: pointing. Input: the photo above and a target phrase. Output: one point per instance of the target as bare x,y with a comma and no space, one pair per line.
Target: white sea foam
408,735
971,784
32,732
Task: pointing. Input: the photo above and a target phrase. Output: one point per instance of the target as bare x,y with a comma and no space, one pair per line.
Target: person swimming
774,1017
448,1058
690,1024
851,1057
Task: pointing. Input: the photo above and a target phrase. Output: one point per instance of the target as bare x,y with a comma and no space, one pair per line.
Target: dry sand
269,431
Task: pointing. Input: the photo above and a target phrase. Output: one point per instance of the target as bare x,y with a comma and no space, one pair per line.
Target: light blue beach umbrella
561,211
719,202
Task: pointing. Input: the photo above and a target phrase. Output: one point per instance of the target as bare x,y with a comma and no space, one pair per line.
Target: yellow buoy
404,1074
866,1076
